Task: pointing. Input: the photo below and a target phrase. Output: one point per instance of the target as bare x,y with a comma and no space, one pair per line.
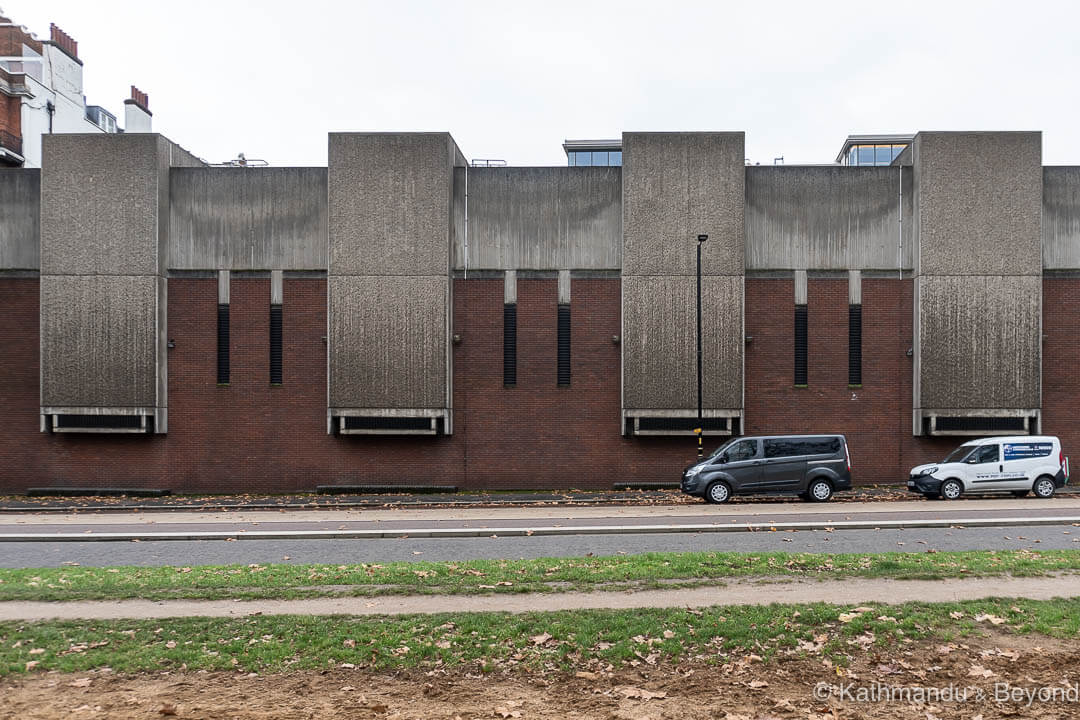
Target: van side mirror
972,460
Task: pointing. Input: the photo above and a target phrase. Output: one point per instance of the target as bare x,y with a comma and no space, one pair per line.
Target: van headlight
696,470
928,471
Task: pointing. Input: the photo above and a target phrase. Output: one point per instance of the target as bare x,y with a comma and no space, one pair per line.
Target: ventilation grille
275,345
510,344
800,345
393,425
564,345
944,425
223,344
855,345
655,425
101,423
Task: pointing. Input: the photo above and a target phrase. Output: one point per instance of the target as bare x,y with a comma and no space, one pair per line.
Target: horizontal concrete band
542,530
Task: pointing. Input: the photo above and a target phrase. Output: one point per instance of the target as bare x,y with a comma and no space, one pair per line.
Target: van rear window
790,447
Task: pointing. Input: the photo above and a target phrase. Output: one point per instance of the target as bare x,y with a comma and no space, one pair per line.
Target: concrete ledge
384,489
95,492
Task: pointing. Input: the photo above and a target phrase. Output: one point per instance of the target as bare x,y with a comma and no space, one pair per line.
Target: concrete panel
828,218
247,219
100,196
1061,218
980,198
543,218
390,199
675,187
660,342
20,213
979,338
388,341
98,347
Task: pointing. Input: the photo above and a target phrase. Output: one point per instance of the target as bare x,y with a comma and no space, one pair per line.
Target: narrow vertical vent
855,345
510,344
223,344
800,345
564,344
275,345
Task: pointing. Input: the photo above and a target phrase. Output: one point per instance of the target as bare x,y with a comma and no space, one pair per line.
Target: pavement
733,592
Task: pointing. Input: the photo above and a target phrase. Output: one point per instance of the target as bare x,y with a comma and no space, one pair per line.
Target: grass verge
286,581
489,641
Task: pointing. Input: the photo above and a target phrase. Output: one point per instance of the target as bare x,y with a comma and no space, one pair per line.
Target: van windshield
959,454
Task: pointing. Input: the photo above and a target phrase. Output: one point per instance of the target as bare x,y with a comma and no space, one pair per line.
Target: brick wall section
252,437
876,418
1061,382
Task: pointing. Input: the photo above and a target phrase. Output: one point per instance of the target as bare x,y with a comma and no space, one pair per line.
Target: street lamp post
700,241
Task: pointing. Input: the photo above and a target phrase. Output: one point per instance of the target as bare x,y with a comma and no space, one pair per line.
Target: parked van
811,466
1017,465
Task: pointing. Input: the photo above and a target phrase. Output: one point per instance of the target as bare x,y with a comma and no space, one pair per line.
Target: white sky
512,79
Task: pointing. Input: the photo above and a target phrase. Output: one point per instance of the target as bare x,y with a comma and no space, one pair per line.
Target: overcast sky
512,80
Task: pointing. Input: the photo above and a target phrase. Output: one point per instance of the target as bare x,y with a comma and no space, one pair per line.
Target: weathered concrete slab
20,217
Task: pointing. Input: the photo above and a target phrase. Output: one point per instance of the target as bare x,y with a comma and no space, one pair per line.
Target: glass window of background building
872,154
594,158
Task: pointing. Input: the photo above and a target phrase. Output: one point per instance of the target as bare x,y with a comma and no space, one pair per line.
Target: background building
400,317
41,92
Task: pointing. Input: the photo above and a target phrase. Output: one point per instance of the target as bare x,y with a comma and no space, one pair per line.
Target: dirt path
796,687
736,592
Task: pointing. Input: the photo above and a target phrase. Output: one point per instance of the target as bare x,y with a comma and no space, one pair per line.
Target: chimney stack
63,41
137,112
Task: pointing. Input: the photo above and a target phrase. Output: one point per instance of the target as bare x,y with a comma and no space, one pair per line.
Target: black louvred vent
855,345
564,345
510,344
387,423
275,344
100,421
979,424
653,424
223,344
800,345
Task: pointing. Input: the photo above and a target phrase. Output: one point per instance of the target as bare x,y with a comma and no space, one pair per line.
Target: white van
1028,463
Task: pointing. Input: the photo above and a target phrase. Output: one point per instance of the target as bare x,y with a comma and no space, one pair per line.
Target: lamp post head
702,238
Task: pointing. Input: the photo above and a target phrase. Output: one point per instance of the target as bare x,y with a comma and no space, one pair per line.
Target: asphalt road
220,552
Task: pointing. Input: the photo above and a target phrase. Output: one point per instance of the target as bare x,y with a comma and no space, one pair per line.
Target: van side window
986,454
742,450
793,447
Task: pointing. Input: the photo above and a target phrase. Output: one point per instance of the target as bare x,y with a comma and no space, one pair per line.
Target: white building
41,92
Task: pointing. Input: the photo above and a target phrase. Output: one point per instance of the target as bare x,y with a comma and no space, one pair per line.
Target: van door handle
759,462
1001,468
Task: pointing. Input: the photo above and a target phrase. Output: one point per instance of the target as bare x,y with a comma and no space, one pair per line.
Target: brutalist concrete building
402,318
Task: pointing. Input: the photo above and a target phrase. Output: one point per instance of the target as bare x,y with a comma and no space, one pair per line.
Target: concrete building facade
402,318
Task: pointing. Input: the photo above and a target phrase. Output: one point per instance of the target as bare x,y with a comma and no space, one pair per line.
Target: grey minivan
811,466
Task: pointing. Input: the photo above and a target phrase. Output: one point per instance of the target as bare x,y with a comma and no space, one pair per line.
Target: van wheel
819,491
1044,487
951,489
1019,493
718,492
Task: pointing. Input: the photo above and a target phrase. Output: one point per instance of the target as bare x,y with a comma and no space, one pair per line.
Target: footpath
756,591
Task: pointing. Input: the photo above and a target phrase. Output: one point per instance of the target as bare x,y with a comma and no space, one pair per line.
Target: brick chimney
137,112
65,42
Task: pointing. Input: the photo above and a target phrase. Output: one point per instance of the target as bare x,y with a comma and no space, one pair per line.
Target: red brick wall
251,437
1061,382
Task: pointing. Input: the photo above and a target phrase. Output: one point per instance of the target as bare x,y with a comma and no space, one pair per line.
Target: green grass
486,641
514,576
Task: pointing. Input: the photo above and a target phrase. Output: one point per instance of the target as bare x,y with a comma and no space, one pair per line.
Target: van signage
1023,451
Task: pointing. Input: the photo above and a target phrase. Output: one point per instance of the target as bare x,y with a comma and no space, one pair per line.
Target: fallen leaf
634,693
757,684
980,671
167,709
80,682
585,675
540,639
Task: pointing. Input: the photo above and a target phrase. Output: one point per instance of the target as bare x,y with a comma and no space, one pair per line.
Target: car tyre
1019,493
952,489
718,492
932,496
1044,487
819,490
